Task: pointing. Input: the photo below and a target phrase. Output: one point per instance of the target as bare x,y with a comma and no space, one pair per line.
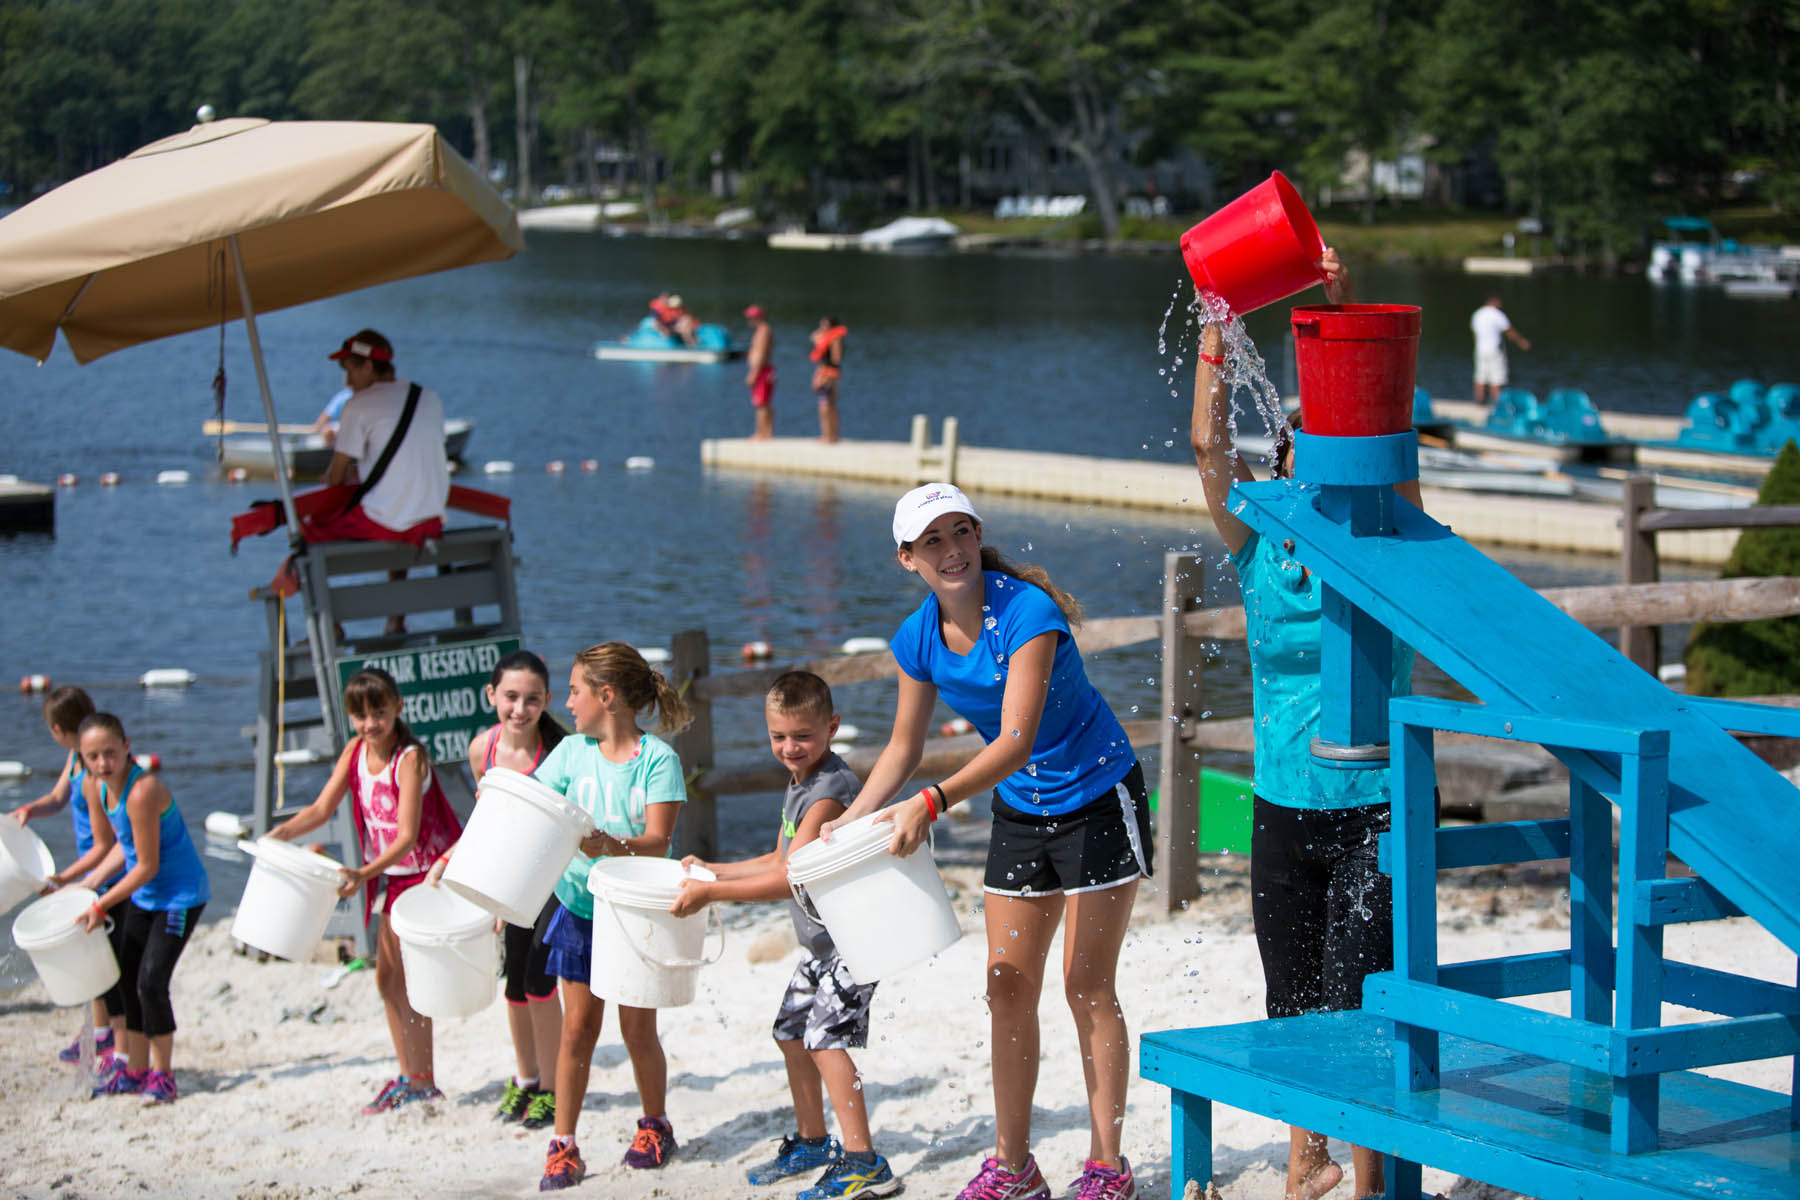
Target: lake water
1028,351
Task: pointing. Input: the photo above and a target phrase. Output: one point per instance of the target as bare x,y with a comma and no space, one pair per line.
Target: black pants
1324,914
527,959
148,949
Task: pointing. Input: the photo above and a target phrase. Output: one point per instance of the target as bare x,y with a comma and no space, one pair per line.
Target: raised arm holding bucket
1071,834
1322,909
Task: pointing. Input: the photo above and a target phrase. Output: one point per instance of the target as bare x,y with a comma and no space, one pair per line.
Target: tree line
1596,115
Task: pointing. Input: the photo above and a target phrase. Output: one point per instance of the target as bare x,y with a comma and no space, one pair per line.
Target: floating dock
1484,517
26,507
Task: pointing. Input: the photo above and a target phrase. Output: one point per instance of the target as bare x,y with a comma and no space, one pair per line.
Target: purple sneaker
1106,1183
654,1142
159,1087
122,1082
388,1097
103,1047
995,1182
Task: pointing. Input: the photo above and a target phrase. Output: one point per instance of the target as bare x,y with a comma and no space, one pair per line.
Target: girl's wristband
1217,360
930,806
943,800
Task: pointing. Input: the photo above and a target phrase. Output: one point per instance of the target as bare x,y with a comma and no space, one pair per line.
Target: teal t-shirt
616,795
1283,623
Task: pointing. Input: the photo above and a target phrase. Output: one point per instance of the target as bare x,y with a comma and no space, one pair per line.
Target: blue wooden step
1513,1120
1732,817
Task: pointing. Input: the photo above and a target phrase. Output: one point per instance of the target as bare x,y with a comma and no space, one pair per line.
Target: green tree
1754,658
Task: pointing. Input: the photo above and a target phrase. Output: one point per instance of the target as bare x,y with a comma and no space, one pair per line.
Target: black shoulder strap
387,451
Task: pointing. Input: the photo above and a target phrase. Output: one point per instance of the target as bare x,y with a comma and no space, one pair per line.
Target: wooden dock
26,507
1488,518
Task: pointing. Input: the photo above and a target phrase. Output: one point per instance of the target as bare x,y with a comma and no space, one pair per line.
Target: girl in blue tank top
154,905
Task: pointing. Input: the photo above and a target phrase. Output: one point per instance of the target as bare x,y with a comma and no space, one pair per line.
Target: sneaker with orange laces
563,1168
654,1142
1106,1183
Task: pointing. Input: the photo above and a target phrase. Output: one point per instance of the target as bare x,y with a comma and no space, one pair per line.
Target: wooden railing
1179,731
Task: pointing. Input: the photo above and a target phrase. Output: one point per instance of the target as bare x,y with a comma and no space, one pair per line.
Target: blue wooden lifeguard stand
1438,1067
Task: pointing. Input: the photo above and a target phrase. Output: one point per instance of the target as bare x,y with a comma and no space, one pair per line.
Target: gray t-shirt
832,781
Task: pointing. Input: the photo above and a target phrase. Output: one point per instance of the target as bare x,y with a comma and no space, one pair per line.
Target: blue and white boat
1564,426
650,342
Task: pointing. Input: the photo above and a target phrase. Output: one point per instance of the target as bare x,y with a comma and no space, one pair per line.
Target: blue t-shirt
180,882
616,795
1081,749
1283,622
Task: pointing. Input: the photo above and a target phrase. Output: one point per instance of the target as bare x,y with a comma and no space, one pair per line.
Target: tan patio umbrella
294,210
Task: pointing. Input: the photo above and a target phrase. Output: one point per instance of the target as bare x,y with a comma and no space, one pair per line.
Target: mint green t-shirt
616,795
1283,623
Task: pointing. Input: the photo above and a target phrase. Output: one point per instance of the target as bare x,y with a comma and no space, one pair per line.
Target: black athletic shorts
1104,843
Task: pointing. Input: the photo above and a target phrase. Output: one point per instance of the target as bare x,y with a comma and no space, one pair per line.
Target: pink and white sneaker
1106,1183
995,1182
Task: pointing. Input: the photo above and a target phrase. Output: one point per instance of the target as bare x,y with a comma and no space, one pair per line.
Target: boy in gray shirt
824,1013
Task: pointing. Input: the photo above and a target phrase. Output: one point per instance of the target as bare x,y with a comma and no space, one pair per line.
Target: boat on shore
309,454
650,342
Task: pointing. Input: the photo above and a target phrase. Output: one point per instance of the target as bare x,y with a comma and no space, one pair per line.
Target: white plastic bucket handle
712,922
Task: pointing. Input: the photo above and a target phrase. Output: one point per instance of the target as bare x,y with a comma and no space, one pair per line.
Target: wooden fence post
689,659
951,440
1178,785
1642,644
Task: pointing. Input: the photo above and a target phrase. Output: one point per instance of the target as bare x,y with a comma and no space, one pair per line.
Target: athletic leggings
527,960
151,943
1324,913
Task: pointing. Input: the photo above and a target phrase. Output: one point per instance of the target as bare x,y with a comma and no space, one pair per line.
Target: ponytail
619,665
993,560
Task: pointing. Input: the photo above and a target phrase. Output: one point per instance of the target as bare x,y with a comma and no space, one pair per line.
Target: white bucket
75,964
450,952
644,955
519,839
287,900
884,913
25,864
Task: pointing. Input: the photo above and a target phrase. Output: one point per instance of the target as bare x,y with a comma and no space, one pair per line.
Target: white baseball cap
925,504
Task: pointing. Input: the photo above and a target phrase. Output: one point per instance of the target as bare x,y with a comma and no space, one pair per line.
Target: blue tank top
180,882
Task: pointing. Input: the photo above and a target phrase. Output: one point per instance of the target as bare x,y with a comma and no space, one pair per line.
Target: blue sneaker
847,1177
795,1157
103,1047
123,1082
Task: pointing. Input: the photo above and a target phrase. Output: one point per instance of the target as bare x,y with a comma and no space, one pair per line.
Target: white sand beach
273,1067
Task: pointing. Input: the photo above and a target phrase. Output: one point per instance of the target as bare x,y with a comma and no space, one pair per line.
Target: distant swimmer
759,375
828,354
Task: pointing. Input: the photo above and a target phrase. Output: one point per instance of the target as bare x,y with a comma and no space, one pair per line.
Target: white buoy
298,758
640,462
67,479
237,474
841,747
12,769
864,645
226,825
109,479
34,683
755,651
590,464
166,478
848,732
655,655
955,726
148,762
498,466
556,466
167,677
1672,672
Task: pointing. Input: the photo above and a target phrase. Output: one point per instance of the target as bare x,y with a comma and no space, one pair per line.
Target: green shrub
1754,658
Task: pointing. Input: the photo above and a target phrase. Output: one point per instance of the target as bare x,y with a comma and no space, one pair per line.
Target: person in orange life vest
828,354
665,312
759,375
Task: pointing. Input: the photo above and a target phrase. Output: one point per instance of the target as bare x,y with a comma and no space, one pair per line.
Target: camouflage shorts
824,1008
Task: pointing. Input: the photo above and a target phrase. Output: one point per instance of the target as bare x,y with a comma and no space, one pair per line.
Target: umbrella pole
282,480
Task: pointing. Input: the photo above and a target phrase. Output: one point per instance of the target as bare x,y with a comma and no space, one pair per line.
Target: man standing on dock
1490,325
759,375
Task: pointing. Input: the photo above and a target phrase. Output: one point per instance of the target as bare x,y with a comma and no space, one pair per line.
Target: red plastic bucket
1356,364
1261,247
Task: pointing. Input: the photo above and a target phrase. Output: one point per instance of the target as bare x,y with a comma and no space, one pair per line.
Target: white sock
528,1085
101,1031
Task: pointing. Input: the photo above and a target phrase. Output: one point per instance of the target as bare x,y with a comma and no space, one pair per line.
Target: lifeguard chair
461,603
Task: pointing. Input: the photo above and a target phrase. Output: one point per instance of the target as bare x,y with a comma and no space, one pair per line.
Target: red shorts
380,893
355,525
762,388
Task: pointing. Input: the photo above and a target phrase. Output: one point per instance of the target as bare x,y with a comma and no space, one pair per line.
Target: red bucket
1261,247
1356,363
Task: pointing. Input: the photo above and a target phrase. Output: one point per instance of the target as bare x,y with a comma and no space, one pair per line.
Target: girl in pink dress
403,823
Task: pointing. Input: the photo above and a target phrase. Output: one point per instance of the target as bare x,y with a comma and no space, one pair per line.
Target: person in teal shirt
630,783
1322,908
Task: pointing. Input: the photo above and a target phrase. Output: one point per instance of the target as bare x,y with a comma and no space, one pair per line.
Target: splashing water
1244,368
